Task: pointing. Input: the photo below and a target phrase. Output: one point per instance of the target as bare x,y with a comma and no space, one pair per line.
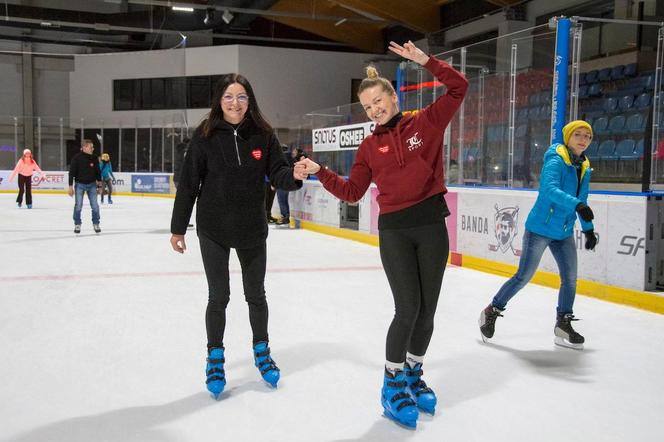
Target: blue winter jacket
554,213
106,170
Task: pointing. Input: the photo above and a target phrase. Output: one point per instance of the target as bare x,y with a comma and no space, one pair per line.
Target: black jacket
226,174
84,168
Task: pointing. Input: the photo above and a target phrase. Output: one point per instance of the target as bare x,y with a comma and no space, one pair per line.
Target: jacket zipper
237,150
549,216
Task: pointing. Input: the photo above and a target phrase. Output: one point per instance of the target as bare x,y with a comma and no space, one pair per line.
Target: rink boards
485,229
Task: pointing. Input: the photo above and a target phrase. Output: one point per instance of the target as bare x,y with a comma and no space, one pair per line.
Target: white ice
102,338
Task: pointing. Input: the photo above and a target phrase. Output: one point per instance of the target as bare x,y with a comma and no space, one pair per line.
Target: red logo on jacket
257,154
384,149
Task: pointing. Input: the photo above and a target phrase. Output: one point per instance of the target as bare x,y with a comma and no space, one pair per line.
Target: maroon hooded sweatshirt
405,161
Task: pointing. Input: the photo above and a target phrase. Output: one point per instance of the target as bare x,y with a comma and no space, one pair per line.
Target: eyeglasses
583,136
242,99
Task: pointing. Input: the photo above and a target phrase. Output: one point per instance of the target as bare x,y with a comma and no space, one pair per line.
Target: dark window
123,95
164,93
198,92
157,98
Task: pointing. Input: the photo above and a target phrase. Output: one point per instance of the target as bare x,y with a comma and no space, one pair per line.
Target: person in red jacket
24,168
404,157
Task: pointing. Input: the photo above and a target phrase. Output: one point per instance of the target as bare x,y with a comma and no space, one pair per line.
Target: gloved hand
591,239
585,212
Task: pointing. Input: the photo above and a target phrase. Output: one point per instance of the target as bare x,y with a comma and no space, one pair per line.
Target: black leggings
414,260
253,262
24,185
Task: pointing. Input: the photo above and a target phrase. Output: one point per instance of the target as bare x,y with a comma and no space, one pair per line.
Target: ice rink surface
102,338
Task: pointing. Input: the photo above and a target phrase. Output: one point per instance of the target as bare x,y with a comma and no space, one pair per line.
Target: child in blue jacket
107,177
563,195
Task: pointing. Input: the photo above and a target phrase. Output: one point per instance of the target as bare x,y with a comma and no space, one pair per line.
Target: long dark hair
216,113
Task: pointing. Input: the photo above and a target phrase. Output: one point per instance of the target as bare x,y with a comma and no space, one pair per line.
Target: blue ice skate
216,377
265,364
423,395
397,402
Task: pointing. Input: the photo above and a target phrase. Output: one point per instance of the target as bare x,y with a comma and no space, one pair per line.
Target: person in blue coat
562,197
107,177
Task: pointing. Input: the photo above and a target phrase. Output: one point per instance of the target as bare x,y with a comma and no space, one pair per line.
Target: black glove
591,239
585,212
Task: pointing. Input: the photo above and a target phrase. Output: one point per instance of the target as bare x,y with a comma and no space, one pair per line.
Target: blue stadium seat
604,74
636,123
591,152
545,112
533,99
522,114
625,103
545,97
591,77
520,131
648,81
607,149
583,91
618,72
611,104
582,79
600,125
630,70
617,124
625,149
642,101
595,90
640,145
533,113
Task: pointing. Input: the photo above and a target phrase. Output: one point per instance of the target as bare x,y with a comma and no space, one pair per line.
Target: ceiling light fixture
227,17
182,9
209,16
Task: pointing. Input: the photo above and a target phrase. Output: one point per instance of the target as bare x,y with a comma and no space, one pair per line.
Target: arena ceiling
103,25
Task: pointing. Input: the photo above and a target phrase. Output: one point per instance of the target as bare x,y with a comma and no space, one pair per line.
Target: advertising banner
491,224
340,137
150,183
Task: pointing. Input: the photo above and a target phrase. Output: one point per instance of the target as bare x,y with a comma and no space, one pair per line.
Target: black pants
106,183
414,260
24,185
253,262
269,200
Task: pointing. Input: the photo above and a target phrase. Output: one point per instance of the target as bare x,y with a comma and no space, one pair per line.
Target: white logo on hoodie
414,142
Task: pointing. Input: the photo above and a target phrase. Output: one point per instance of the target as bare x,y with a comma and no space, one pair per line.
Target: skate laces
493,315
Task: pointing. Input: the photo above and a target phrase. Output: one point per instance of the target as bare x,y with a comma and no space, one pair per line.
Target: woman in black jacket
230,154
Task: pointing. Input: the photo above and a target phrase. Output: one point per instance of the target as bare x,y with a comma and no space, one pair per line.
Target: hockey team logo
505,228
384,149
257,154
414,142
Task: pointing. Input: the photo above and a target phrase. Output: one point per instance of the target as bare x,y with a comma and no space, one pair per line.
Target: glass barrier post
512,111
656,103
63,160
577,33
461,111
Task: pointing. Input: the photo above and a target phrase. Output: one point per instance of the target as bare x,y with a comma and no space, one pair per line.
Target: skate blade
562,342
404,424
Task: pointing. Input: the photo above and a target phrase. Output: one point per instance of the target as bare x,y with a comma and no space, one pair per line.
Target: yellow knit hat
105,157
570,127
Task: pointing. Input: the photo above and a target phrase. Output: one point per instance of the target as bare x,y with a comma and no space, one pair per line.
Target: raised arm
440,112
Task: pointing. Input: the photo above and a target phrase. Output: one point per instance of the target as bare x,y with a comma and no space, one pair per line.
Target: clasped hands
304,168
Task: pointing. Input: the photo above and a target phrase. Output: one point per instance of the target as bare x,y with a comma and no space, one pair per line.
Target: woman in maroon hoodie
404,157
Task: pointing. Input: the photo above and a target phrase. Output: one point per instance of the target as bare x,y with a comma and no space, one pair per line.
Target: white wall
286,81
291,82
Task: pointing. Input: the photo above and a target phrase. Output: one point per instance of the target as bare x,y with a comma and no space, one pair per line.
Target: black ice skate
487,322
97,228
566,336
